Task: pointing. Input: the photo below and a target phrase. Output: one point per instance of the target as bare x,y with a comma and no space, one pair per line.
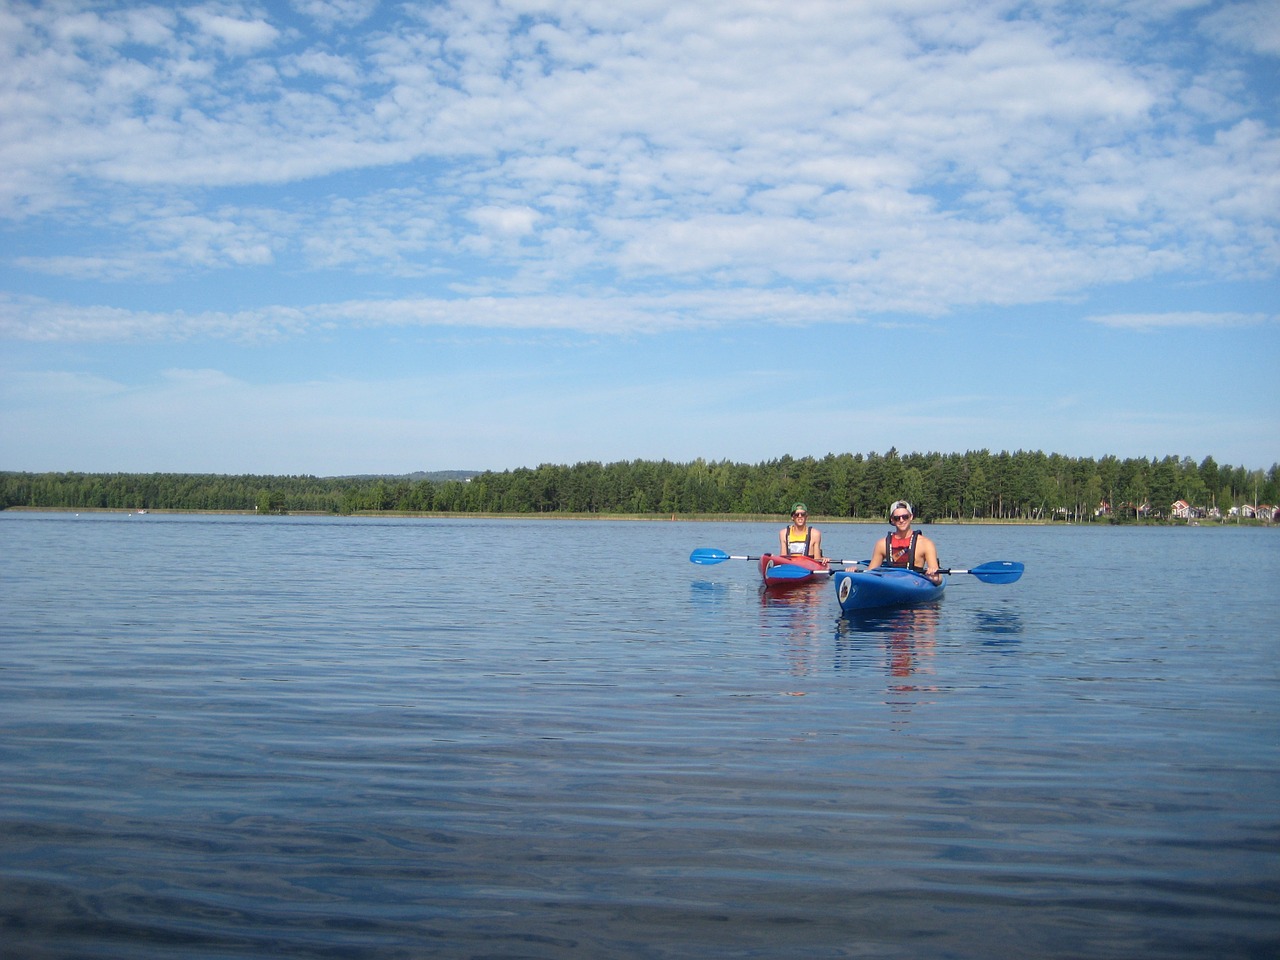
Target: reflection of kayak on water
778,571
885,587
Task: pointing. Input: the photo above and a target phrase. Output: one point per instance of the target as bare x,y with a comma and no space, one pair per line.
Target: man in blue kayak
904,547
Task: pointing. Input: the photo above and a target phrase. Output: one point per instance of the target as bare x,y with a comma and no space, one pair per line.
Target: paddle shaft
709,556
996,571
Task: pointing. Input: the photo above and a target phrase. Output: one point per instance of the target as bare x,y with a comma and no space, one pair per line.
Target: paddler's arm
931,561
815,546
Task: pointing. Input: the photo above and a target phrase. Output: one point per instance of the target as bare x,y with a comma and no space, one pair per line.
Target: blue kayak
884,587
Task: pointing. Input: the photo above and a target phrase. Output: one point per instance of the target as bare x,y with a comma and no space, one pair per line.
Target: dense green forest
959,486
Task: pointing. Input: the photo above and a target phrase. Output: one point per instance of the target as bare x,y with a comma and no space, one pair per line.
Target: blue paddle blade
998,571
708,555
789,571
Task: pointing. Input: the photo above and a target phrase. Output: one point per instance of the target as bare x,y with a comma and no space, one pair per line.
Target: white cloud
236,35
334,13
502,223
152,26
36,320
894,157
319,63
173,238
1253,26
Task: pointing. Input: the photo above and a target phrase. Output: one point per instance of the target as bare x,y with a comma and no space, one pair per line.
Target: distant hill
435,476
441,476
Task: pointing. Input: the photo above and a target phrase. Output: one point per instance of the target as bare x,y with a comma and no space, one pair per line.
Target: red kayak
818,570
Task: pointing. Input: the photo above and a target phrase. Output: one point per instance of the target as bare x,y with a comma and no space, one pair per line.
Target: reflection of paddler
913,637
797,617
780,596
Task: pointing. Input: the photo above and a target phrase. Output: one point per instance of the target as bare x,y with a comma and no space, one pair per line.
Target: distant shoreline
442,515
638,518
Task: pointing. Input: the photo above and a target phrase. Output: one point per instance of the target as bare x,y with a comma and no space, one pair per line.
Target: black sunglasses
901,516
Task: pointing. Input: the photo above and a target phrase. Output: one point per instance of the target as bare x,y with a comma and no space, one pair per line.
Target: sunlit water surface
240,737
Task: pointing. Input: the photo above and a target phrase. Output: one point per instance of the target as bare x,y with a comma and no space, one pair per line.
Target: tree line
975,485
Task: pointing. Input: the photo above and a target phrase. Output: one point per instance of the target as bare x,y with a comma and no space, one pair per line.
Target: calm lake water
246,737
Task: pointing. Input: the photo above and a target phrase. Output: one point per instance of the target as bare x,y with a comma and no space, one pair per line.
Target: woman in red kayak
798,538
905,547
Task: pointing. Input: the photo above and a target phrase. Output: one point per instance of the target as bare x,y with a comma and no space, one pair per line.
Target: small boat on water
885,587
780,571
857,590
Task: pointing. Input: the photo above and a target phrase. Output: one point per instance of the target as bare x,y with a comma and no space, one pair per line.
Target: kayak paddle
793,571
997,571
709,555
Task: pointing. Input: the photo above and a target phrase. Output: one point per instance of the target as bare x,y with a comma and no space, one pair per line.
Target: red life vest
900,553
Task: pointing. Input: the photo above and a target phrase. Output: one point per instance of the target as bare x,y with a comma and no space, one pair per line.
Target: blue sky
342,236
